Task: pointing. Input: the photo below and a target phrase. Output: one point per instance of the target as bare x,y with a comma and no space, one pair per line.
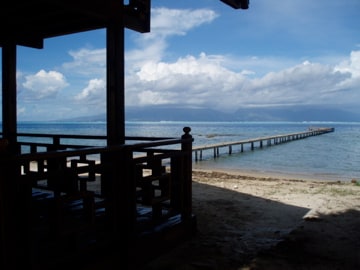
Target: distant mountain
175,114
294,113
92,118
298,113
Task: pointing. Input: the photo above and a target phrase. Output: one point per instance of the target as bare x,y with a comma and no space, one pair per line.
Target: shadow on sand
240,231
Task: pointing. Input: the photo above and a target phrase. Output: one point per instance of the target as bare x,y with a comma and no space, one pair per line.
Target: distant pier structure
259,142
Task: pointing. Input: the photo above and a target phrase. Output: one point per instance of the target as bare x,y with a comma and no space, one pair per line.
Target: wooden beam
29,23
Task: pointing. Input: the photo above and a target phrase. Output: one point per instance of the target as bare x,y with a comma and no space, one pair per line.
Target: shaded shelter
62,202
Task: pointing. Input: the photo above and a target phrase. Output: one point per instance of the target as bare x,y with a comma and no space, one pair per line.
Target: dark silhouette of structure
65,203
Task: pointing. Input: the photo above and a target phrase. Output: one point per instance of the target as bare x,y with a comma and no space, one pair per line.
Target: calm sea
332,156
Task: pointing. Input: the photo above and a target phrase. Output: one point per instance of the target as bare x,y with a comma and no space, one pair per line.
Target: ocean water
332,156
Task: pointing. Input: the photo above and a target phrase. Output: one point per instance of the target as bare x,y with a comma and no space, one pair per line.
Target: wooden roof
29,22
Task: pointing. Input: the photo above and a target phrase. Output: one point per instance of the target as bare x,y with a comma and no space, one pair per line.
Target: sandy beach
268,222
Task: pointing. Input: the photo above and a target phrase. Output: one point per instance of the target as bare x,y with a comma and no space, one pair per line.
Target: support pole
14,226
115,88
186,147
9,107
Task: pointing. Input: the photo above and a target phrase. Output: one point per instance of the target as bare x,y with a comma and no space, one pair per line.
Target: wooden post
177,183
118,176
120,199
9,106
115,85
186,147
14,205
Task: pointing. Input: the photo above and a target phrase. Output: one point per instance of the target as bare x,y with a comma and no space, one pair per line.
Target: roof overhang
29,22
237,4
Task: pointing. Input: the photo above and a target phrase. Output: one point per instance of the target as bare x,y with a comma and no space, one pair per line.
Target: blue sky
204,54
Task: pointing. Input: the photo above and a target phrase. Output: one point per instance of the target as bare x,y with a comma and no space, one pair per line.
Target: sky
204,54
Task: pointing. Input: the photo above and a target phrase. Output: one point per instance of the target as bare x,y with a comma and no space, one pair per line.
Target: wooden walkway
268,140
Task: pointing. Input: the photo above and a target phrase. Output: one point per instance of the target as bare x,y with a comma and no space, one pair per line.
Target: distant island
291,114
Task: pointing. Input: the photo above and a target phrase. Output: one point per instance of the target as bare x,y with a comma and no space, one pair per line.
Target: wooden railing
34,142
132,187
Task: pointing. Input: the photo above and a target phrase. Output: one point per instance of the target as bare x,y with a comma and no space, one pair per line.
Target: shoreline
253,221
278,175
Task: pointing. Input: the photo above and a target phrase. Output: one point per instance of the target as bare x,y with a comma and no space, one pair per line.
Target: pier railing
257,142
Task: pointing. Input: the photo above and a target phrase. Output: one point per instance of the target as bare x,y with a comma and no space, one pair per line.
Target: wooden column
14,211
115,92
118,179
9,119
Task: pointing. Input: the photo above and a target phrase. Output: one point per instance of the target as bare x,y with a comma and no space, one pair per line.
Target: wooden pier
260,142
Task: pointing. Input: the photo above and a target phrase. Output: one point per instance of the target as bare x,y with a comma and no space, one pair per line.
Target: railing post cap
186,130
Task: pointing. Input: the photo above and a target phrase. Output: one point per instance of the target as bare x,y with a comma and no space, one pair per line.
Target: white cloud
44,84
93,93
352,65
204,81
137,57
87,62
167,22
306,83
224,82
351,85
151,97
189,81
